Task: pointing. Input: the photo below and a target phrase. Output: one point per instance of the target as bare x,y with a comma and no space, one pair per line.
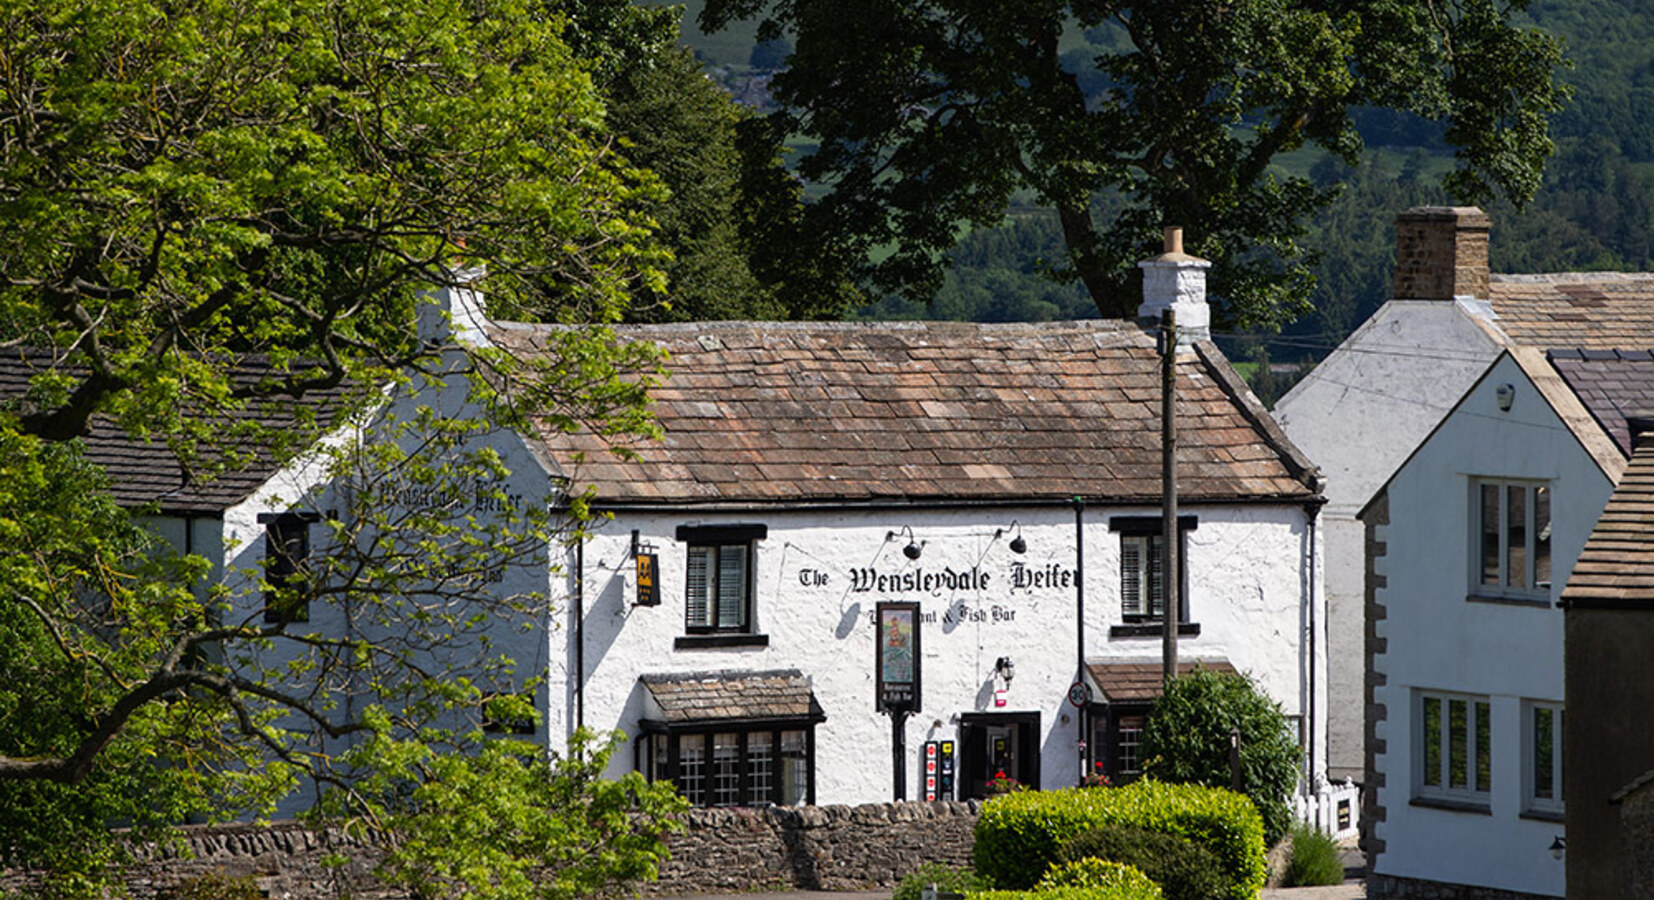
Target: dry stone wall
722,851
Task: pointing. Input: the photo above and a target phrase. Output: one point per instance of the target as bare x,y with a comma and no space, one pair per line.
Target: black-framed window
1117,739
751,764
718,577
286,547
1142,583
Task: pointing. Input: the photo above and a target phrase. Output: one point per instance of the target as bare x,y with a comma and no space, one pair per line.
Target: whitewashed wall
1437,640
1357,415
308,485
1249,586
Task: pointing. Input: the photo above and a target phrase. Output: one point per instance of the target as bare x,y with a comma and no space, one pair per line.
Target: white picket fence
1333,808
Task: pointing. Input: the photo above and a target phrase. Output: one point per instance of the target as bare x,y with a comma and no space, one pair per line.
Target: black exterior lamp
1018,545
1559,846
914,549
1006,669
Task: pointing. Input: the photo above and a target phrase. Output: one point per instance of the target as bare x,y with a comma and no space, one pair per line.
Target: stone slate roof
1598,310
143,471
1613,384
795,413
1137,680
1616,568
719,696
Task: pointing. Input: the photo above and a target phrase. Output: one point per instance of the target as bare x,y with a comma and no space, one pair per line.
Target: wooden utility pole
1170,584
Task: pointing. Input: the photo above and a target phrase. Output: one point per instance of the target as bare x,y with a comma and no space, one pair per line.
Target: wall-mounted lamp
1504,395
1018,545
1559,846
1004,668
914,549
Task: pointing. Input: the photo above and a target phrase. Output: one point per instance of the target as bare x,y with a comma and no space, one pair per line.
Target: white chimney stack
455,313
1175,280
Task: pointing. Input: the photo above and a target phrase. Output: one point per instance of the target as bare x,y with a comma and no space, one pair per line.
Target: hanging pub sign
648,580
897,666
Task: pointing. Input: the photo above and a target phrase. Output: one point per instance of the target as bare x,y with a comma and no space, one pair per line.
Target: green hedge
1019,836
1184,869
1119,879
1134,890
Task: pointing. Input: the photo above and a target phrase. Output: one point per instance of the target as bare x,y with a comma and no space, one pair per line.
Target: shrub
215,886
1315,858
946,878
1186,740
1101,874
1018,836
1143,890
1184,869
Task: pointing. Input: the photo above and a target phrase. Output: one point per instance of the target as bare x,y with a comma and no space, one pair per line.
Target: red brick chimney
1441,253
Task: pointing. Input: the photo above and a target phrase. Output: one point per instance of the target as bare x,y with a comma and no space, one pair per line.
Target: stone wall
1389,887
833,848
723,851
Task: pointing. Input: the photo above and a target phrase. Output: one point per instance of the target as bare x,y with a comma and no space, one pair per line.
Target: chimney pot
1176,280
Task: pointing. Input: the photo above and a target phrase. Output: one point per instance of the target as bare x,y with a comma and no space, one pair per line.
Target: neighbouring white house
1365,408
867,560
1470,543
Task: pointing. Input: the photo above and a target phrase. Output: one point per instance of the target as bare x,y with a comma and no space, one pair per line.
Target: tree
1186,740
214,208
730,213
930,116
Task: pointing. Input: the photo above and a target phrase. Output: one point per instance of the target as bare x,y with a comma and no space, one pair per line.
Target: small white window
1453,744
1513,538
1542,745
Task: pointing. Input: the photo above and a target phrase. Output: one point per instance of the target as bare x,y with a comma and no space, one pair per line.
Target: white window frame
1434,777
1534,716
1526,584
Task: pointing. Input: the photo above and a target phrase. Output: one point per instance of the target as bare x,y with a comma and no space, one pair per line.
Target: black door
997,745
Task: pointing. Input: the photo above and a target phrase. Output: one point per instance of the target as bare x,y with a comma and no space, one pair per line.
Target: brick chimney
1176,280
1441,253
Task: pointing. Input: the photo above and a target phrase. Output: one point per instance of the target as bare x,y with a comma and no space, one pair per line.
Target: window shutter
1157,578
732,585
1131,576
697,592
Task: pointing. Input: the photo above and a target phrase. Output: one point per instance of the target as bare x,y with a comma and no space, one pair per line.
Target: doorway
995,744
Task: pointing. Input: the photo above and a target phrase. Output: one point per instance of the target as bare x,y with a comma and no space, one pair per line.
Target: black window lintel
722,534
1135,525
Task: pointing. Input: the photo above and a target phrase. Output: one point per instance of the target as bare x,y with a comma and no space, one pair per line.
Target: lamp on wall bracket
915,548
1006,669
1018,545
1559,846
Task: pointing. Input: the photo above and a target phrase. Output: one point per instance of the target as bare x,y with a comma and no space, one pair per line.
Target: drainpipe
580,633
1312,511
1079,624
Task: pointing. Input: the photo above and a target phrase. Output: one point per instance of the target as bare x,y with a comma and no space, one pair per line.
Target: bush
1184,869
1018,836
946,878
1315,858
1100,874
1186,741
215,886
1135,890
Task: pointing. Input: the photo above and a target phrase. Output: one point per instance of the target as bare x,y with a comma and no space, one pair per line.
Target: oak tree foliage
216,211
931,116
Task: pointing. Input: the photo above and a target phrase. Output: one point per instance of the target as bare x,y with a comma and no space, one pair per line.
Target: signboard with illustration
898,662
